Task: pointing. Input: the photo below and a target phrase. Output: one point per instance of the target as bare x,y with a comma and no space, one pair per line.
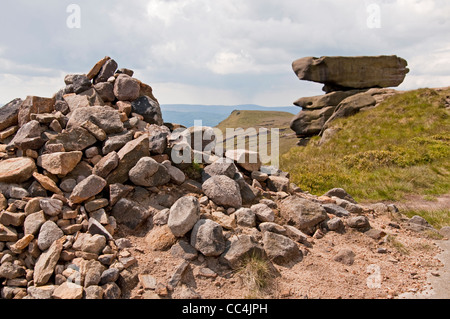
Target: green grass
400,147
437,218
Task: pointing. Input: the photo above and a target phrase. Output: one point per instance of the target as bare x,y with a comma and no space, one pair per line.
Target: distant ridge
212,115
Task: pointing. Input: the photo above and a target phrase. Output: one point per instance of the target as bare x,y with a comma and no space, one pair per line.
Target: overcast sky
216,51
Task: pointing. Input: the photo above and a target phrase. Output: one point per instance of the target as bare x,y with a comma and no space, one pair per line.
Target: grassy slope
400,147
263,119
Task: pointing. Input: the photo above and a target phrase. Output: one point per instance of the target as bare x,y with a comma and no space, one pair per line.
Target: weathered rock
118,191
68,290
219,168
47,184
179,274
352,72
158,138
9,114
207,237
75,101
129,155
106,165
28,137
109,275
278,184
335,224
296,235
8,234
106,118
184,250
326,100
263,213
45,264
360,223
149,109
345,256
302,213
148,172
34,105
336,210
223,191
310,122
60,163
107,70
160,238
43,292
33,223
11,219
93,273
50,206
111,291
16,170
130,213
126,88
106,91
48,234
248,160
272,227
75,139
241,250
176,175
93,292
183,215
280,249
87,188
93,129
116,141
95,228
245,217
10,270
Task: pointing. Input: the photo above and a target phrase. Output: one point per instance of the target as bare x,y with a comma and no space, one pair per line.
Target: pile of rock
352,84
97,160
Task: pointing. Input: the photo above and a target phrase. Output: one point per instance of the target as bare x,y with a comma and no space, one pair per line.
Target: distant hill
212,115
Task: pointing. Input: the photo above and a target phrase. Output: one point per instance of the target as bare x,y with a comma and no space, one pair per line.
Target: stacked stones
96,160
352,84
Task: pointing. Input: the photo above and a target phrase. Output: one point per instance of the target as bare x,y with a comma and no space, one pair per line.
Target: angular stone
75,101
12,219
336,210
93,292
97,67
47,183
9,114
95,228
176,175
245,217
280,249
93,271
184,250
116,141
106,91
178,275
107,70
45,264
68,290
43,292
296,235
126,88
359,222
160,238
48,234
130,213
223,191
158,138
106,118
68,185
10,270
111,291
278,184
224,220
207,237
33,223
311,122
34,105
321,101
109,275
335,224
149,109
129,155
96,131
118,191
248,160
87,188
106,165
219,168
16,170
51,207
272,227
302,213
263,213
184,214
28,137
61,163
352,72
8,234
75,139
241,249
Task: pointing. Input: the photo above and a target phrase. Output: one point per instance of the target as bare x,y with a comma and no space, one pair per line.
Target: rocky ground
95,203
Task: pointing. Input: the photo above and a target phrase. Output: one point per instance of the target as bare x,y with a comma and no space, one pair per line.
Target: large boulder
149,109
183,215
60,163
309,122
340,73
207,237
34,105
105,117
280,249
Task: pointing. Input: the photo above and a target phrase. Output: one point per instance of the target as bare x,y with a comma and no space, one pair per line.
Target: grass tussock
437,218
257,276
400,147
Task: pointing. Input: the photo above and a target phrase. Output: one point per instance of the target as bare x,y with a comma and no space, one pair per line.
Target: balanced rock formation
351,84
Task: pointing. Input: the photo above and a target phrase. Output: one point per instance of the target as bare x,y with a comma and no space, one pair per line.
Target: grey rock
87,188
96,228
241,249
149,109
109,275
33,223
335,224
302,213
445,231
219,168
183,215
336,210
207,237
184,250
108,69
280,249
106,91
178,275
130,213
75,139
223,191
345,256
48,234
272,227
176,175
341,193
68,185
360,223
50,206
93,273
158,138
9,114
106,118
278,184
115,142
148,172
126,88
43,292
79,82
18,192
10,270
263,213
245,217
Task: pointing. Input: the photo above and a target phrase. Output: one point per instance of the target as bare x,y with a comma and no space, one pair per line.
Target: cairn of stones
351,84
97,160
